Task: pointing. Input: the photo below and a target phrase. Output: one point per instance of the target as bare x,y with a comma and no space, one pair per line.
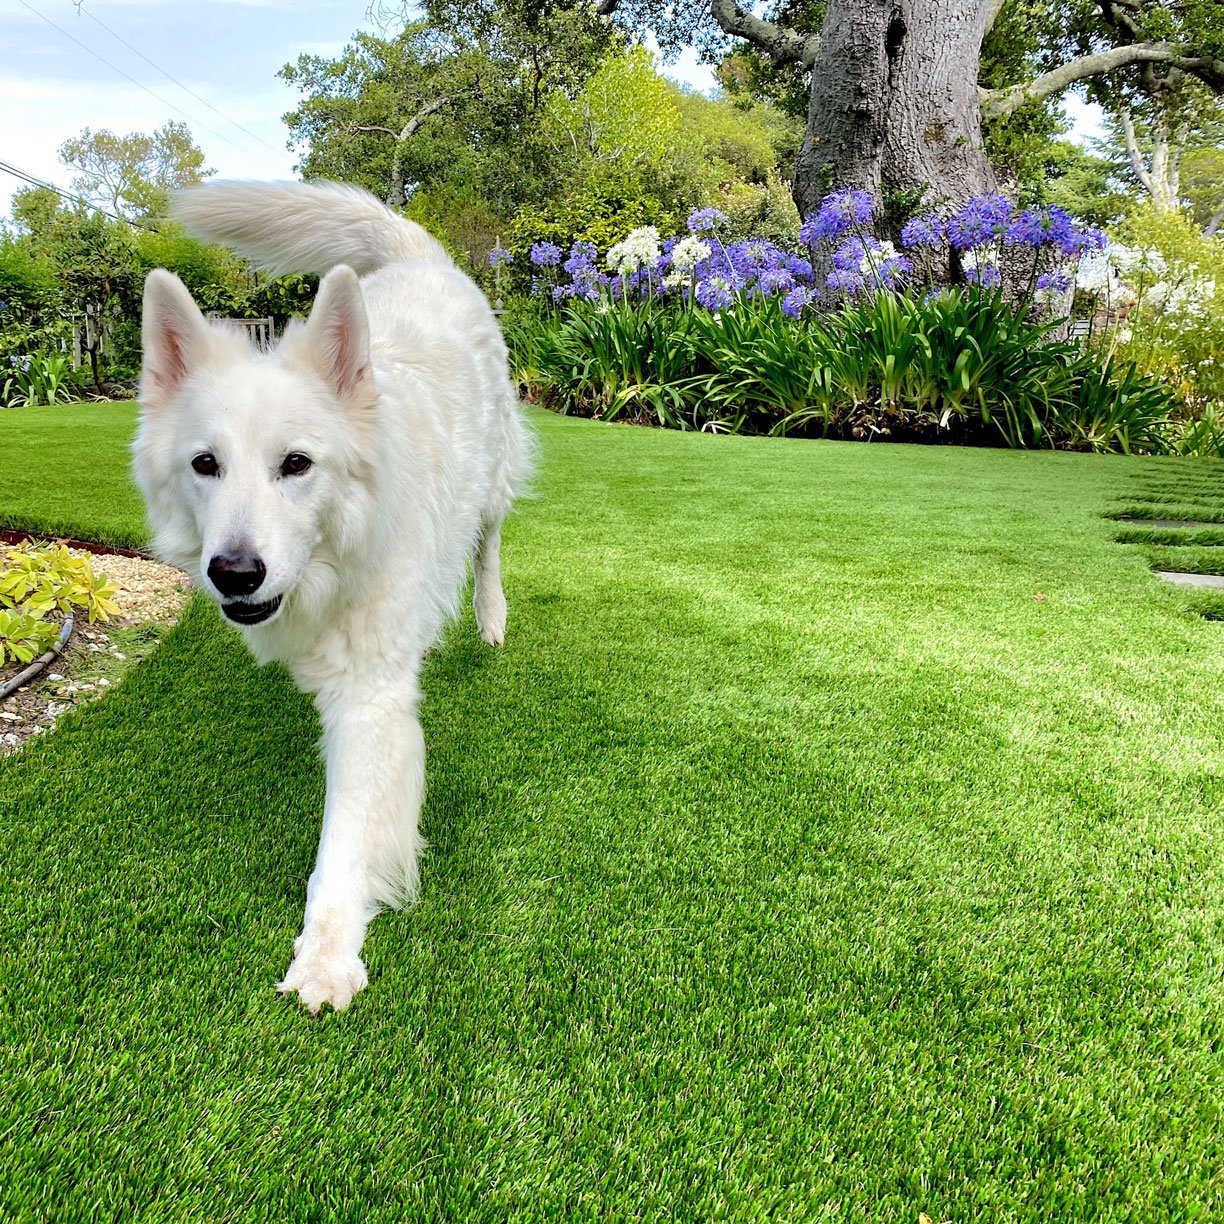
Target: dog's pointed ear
338,335
176,338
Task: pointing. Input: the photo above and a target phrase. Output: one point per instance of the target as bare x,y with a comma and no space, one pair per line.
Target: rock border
148,597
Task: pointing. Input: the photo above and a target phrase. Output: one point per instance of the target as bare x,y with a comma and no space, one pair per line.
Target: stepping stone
1214,581
1147,522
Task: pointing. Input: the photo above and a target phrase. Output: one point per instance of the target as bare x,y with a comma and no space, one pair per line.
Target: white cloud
54,112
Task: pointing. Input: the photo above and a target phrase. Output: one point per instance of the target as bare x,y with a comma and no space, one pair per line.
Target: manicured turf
838,836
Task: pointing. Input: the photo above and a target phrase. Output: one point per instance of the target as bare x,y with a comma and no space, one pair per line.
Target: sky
210,63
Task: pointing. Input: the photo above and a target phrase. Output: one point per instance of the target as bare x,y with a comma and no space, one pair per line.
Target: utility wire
26,177
186,89
127,76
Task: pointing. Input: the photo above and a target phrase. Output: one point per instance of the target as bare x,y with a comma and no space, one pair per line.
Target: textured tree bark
895,104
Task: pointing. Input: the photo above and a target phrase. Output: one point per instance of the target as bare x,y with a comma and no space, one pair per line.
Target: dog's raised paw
318,979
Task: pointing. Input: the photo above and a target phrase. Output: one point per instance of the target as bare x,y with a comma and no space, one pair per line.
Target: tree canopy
132,176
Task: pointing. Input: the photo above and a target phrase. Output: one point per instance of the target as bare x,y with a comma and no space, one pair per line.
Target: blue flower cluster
754,268
838,214
705,219
545,254
991,219
699,267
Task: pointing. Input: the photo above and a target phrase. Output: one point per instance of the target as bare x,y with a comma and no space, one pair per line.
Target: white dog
328,495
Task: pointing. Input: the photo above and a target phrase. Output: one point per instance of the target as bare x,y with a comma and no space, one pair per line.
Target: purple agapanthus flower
844,281
850,255
839,212
820,226
1070,240
855,204
715,292
1053,282
986,274
499,256
1063,231
925,231
753,257
1031,228
796,300
983,219
775,280
545,254
581,257
800,269
586,280
1093,240
704,219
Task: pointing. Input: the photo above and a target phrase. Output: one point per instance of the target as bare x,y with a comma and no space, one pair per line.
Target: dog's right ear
176,338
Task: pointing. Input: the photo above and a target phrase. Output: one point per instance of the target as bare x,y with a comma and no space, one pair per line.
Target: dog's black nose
236,575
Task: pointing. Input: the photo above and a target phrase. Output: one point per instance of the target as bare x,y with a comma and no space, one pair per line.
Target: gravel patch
151,597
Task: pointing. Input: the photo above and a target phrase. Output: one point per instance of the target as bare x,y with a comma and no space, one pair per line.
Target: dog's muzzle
251,613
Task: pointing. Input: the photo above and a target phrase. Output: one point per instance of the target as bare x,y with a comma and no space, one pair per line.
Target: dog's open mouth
251,613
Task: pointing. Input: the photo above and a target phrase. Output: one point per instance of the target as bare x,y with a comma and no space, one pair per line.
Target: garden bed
150,597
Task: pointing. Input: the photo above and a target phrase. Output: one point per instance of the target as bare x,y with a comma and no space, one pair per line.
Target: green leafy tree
1082,182
1202,187
449,107
898,95
132,176
1151,135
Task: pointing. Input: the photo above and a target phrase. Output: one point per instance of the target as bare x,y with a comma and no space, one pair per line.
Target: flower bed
957,334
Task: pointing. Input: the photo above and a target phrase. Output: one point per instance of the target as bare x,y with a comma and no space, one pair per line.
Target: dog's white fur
397,390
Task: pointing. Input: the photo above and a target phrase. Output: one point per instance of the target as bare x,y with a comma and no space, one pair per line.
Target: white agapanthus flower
1095,274
1132,261
873,259
638,250
1191,298
1157,295
688,253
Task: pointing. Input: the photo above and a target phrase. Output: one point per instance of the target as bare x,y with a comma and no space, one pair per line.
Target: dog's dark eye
206,464
295,464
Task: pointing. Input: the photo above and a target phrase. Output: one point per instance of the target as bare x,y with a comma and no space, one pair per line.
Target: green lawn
838,837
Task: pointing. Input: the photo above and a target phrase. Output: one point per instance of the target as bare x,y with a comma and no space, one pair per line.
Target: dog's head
254,465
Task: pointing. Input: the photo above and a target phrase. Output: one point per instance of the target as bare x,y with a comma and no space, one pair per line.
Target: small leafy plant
38,584
24,636
37,380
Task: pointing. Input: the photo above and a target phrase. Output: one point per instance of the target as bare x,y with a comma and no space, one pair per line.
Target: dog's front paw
320,979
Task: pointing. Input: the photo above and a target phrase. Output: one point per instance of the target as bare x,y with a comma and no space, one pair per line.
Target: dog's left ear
337,335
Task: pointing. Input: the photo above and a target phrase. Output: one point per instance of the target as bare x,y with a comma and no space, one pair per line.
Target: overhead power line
185,88
34,181
128,76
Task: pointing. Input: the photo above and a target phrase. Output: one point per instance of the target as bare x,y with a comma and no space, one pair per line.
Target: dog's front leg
368,850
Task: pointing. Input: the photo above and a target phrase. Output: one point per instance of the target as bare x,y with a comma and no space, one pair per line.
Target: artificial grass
837,837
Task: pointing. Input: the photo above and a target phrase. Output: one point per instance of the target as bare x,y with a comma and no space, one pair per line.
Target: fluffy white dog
328,495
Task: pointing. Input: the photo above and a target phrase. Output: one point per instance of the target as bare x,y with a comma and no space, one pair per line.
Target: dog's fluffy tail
304,227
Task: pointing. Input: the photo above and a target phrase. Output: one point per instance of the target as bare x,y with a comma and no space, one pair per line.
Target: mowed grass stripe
837,837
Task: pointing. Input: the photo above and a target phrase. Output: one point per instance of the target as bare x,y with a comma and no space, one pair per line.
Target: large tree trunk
894,104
